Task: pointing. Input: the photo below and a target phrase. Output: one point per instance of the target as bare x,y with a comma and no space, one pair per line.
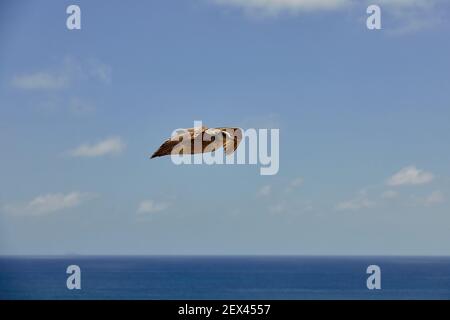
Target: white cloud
406,3
297,182
70,71
272,7
405,16
48,203
294,184
295,6
435,197
150,206
109,146
355,204
389,194
399,16
40,80
101,71
278,208
265,191
290,207
410,176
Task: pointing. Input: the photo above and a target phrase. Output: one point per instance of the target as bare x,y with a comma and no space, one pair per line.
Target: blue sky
363,118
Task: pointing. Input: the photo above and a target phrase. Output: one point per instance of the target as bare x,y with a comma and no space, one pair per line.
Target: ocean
224,277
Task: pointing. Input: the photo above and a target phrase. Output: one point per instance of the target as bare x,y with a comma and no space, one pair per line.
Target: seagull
200,140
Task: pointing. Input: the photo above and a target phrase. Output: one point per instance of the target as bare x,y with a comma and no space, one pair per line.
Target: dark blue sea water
224,277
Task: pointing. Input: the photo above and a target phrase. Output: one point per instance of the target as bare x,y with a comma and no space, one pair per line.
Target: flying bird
200,140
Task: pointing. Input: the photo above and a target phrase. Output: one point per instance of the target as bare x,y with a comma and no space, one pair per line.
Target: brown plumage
200,140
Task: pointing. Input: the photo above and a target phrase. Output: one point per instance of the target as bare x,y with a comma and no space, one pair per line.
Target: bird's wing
165,149
183,135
